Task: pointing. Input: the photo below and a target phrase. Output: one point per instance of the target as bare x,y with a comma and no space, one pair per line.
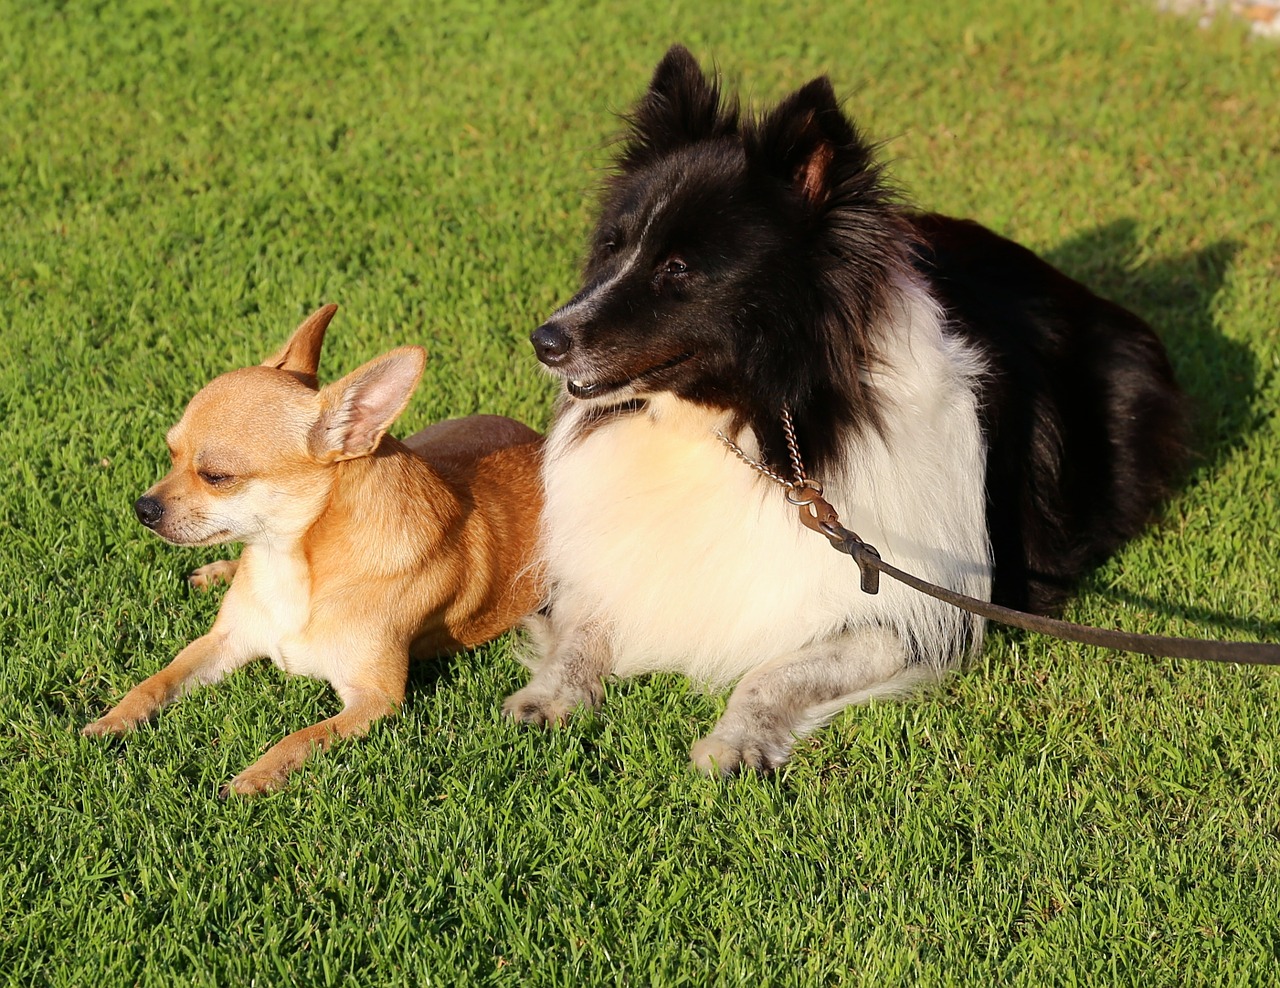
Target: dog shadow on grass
429,676
1177,297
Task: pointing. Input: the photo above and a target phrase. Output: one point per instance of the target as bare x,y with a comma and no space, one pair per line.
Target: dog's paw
208,577
109,724
254,781
536,704
721,757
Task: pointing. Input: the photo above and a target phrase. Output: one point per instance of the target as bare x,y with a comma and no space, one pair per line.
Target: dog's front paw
538,704
112,723
255,781
208,577
722,757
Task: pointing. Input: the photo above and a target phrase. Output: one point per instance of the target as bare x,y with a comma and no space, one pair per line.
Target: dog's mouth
586,390
185,539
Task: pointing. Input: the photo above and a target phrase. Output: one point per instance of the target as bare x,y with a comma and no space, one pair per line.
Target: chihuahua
359,550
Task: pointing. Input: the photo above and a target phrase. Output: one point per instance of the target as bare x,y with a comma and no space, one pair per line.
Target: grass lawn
179,184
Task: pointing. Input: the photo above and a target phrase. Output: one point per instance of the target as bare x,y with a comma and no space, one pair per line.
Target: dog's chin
606,386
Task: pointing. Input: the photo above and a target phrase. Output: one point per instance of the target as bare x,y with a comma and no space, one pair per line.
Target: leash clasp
815,510
817,514
805,491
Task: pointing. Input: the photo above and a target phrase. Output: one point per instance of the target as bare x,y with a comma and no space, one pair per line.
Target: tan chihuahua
359,550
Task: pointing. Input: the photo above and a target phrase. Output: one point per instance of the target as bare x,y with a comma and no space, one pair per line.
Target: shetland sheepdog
986,422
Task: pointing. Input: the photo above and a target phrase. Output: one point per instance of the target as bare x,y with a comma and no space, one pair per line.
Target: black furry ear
681,107
799,140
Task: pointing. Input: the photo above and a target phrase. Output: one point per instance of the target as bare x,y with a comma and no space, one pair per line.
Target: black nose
148,510
550,343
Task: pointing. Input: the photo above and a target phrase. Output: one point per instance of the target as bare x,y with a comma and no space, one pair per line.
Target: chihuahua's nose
148,510
550,343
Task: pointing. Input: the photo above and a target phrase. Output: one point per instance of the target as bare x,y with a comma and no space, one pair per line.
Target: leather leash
817,514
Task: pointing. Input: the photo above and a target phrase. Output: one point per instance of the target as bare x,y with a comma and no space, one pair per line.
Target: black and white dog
986,422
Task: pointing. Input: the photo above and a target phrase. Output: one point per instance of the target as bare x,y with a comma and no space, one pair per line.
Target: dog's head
736,259
255,451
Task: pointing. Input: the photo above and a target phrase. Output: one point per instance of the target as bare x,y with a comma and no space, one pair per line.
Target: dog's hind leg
570,673
796,694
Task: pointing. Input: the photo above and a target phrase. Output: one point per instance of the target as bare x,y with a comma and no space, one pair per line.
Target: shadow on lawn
1176,297
427,676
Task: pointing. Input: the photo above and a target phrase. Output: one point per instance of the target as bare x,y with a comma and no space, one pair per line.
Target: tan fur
359,550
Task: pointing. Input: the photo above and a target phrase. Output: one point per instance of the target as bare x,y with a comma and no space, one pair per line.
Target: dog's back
1084,424
456,443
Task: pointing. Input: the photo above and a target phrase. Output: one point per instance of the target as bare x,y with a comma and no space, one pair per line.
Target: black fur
1084,422
753,264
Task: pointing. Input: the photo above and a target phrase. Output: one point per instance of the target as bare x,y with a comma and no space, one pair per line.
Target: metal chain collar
806,494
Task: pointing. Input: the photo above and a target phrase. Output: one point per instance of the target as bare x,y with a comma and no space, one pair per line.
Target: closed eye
215,479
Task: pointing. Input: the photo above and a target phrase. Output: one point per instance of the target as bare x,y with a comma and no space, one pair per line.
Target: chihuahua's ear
301,355
356,411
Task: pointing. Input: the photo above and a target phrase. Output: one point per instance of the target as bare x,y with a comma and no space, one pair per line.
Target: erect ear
799,140
682,106
301,355
356,411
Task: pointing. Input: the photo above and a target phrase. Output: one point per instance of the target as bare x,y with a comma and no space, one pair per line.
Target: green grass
179,184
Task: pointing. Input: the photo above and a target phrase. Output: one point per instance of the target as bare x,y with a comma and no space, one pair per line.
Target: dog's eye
673,269
214,479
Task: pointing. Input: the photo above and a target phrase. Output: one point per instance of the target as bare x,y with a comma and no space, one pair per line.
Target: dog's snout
550,343
149,510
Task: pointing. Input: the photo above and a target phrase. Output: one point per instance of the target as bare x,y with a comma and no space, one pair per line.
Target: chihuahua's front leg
272,770
211,574
575,658
205,660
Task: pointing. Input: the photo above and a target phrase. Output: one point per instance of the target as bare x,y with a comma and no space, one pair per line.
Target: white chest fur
697,564
268,606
